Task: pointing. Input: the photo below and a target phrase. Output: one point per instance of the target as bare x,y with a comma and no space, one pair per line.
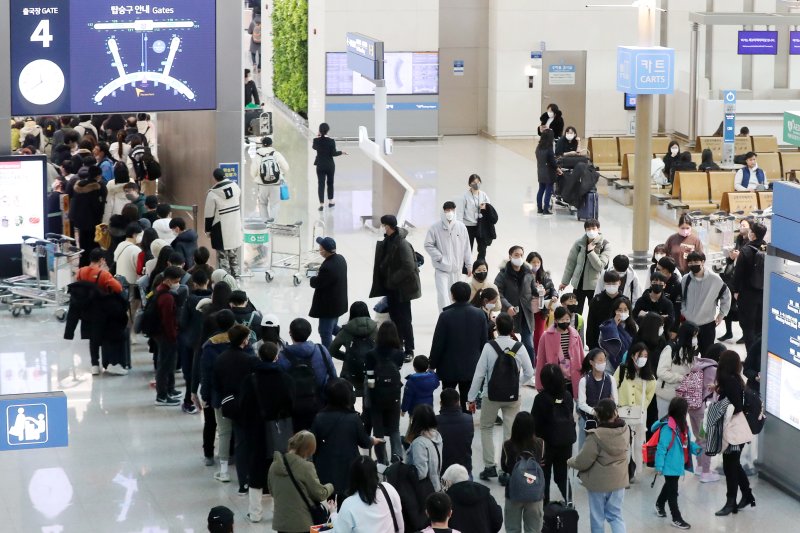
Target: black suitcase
561,517
589,208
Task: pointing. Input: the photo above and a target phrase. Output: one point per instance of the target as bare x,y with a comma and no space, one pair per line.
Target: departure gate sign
645,70
108,56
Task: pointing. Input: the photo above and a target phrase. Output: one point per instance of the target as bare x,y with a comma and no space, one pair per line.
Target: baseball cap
327,243
270,320
219,517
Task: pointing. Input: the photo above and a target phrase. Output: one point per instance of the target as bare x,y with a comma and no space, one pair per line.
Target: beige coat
602,463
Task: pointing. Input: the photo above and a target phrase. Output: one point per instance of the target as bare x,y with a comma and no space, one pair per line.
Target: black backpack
753,410
562,429
354,367
386,392
152,169
757,273
305,381
504,383
151,320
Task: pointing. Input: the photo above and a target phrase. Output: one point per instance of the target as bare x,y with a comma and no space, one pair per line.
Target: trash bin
256,250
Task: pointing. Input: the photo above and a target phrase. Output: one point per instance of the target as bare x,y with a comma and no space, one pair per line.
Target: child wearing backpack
696,389
419,386
522,458
672,457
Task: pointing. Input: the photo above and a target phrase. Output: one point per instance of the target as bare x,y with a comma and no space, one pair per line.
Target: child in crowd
419,386
439,508
570,301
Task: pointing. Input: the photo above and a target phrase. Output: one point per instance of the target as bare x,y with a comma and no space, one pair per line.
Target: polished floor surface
132,467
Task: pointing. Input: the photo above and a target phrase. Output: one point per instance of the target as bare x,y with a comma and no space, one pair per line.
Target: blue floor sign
34,421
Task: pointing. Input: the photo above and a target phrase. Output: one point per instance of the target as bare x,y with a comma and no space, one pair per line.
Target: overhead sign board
645,70
791,127
758,43
794,42
561,74
365,55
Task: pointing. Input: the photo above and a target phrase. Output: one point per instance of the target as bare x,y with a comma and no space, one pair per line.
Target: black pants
94,352
400,313
386,424
555,463
735,478
241,453
750,315
325,175
669,494
583,296
706,337
472,231
165,372
463,390
209,431
86,243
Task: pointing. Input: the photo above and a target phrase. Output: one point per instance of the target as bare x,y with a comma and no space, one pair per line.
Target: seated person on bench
750,177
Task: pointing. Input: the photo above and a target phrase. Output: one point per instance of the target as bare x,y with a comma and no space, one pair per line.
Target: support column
643,150
5,81
693,84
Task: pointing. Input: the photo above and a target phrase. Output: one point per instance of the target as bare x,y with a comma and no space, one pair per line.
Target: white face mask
611,290
516,261
490,306
641,362
535,268
674,151
694,342
593,234
600,367
658,257
570,136
661,332
449,215
624,316
551,114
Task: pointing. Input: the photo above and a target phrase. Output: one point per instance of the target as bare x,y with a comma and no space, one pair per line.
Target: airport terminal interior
134,467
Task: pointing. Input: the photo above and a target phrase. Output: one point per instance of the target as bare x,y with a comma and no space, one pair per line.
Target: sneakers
726,337
498,421
209,461
95,370
408,357
167,402
660,511
116,370
503,479
244,490
174,394
488,472
224,477
709,477
547,213
189,409
681,524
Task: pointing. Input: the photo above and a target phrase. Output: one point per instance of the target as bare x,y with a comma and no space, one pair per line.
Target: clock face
41,82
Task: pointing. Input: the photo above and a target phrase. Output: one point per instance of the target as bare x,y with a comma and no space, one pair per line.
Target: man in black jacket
458,339
654,299
330,290
230,370
457,430
395,275
600,308
86,209
474,508
748,284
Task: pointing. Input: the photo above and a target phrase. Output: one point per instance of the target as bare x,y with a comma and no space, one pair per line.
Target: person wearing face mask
587,259
127,252
548,172
552,119
706,300
659,251
675,363
570,144
651,333
184,241
471,208
616,333
600,308
636,386
628,281
447,243
680,244
748,284
750,177
167,338
488,301
479,281
727,275
515,285
596,384
561,345
544,293
570,301
654,300
672,155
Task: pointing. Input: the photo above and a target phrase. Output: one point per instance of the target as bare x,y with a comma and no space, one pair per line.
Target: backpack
269,171
503,386
650,447
562,427
257,33
150,323
526,483
757,273
610,341
691,389
249,323
386,392
354,367
152,169
305,381
754,410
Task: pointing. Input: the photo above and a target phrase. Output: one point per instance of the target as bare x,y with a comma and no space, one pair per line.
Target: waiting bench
605,153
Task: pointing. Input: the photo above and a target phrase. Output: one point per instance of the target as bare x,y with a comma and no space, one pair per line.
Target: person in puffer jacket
474,508
419,386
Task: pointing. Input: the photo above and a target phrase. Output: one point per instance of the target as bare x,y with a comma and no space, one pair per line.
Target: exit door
564,84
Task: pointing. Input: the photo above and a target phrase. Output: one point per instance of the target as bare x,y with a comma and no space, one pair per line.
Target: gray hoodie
702,294
425,454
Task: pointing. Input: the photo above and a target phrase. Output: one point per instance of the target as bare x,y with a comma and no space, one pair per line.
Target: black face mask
656,289
480,276
562,325
695,268
573,308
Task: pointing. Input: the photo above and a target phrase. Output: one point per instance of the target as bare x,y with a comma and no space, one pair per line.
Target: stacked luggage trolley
719,230
304,262
49,265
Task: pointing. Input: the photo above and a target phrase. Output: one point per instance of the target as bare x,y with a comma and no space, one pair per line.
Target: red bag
649,448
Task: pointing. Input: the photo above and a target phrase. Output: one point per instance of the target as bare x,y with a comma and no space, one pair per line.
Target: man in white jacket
268,170
224,221
629,287
126,254
447,242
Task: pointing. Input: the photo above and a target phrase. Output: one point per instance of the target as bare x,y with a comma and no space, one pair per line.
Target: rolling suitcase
561,517
589,208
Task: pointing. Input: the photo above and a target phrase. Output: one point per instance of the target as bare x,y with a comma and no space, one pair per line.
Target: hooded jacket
321,361
86,205
185,242
395,268
223,215
586,266
291,512
211,350
425,455
474,508
250,317
669,454
419,390
602,463
457,430
362,326
632,290
447,243
115,199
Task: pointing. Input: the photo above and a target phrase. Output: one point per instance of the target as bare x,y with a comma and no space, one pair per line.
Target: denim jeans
327,329
526,338
543,196
606,507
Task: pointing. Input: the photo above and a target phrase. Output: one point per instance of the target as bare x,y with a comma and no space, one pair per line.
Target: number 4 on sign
42,33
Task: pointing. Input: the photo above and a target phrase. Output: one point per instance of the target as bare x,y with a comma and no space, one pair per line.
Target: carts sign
645,70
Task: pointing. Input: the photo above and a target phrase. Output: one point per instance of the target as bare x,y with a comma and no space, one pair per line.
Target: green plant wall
290,56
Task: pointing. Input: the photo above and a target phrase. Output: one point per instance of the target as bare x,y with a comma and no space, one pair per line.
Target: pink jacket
549,352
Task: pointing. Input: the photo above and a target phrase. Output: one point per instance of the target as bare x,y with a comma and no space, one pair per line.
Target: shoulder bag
319,513
632,414
391,507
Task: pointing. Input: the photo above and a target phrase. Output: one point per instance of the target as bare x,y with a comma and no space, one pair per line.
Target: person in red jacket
167,337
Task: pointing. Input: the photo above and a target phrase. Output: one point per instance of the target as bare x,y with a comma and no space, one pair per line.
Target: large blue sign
794,42
783,335
758,43
103,56
231,171
643,70
37,420
365,55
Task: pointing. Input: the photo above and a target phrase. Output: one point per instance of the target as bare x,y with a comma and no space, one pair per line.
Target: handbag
319,512
284,191
632,412
737,431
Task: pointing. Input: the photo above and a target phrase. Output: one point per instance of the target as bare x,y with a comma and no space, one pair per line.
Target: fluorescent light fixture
648,4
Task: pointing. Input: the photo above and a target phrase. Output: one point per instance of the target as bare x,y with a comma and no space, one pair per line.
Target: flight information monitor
404,72
106,56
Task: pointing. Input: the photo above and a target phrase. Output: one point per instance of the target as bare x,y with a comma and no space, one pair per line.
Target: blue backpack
526,483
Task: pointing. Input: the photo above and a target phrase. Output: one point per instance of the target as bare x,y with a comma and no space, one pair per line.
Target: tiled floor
132,467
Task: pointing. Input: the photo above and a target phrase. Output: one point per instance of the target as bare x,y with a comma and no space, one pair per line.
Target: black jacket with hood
474,508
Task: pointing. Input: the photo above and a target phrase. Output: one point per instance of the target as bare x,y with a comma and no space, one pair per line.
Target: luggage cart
291,259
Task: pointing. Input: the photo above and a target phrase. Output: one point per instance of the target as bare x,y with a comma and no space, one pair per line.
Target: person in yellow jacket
636,386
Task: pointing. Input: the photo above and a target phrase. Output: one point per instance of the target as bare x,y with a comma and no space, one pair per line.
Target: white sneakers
95,370
709,477
223,477
117,370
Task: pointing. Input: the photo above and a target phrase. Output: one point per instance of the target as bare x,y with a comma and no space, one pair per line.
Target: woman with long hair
651,333
383,365
372,506
595,385
523,440
488,301
617,333
547,170
355,338
561,345
675,362
635,389
544,292
480,279
425,450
